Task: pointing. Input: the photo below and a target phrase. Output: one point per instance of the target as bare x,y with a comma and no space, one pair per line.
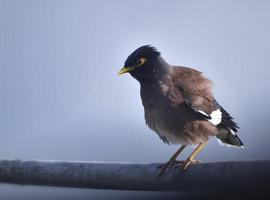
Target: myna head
144,63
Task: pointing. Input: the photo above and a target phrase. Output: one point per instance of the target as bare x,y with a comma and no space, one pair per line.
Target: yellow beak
125,70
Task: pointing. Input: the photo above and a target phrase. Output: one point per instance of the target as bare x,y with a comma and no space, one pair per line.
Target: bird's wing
196,91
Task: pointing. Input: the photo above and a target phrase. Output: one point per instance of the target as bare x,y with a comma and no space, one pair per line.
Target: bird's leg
190,159
171,161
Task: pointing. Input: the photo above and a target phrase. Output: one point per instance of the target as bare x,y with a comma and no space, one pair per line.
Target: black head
148,52
143,63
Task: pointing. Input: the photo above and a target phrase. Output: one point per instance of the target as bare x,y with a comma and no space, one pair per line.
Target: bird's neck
159,70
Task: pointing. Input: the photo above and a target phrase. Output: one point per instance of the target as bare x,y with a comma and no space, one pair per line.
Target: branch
238,175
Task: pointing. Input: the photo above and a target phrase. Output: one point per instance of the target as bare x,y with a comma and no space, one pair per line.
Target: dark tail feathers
228,128
229,138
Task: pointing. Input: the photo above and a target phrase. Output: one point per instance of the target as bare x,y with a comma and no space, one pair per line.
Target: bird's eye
140,62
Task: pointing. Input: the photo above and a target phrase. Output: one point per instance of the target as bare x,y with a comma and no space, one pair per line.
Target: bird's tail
229,138
227,131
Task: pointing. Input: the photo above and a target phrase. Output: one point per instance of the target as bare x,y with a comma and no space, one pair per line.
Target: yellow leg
192,155
171,161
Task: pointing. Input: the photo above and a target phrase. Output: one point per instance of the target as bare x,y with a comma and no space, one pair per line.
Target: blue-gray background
60,97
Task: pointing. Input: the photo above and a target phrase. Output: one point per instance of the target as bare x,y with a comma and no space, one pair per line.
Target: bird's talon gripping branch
163,168
167,166
171,162
190,159
184,163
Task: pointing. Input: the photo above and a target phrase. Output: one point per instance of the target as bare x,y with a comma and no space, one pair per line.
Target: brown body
165,100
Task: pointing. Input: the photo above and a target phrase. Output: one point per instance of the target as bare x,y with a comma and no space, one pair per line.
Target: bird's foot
184,164
168,165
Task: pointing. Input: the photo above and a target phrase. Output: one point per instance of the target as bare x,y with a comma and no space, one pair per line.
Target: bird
179,105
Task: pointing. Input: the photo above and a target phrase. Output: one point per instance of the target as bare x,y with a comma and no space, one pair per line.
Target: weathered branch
238,175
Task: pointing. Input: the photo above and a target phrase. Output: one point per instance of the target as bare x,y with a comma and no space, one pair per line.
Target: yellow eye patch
141,61
138,63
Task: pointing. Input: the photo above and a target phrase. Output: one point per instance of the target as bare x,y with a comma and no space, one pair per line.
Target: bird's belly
178,127
167,124
171,137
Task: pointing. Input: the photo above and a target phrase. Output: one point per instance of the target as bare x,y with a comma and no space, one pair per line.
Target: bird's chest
162,113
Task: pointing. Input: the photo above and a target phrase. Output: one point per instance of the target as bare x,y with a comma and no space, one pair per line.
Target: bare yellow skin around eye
126,69
141,61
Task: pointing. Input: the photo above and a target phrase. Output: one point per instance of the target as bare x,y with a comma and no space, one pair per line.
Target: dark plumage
178,101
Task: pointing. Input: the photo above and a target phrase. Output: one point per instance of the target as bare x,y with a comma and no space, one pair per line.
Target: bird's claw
167,166
184,164
164,167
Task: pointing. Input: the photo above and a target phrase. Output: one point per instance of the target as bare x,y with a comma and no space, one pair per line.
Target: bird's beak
125,70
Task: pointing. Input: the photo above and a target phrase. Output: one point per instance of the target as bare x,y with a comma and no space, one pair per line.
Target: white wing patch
204,113
216,117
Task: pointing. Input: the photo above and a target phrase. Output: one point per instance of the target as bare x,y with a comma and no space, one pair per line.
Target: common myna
179,104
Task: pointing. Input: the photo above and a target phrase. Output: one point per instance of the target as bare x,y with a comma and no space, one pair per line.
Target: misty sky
61,98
